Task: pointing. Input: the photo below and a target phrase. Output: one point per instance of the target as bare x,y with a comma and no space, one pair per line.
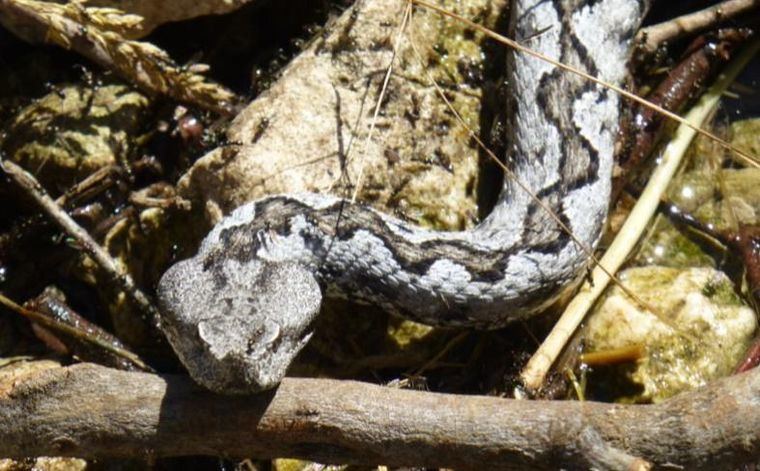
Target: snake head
237,325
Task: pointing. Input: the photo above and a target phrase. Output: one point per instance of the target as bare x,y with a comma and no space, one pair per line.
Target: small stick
746,243
96,183
751,358
74,332
613,356
33,188
651,37
89,342
539,365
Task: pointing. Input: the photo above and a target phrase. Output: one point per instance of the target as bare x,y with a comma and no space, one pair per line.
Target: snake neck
517,260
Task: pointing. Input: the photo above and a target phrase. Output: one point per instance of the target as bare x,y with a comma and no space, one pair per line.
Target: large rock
310,132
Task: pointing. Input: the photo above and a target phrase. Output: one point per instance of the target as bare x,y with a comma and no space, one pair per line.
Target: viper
241,309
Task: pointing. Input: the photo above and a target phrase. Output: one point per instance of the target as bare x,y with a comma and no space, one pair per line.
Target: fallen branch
94,412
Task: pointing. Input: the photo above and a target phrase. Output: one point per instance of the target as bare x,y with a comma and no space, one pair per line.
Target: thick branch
92,411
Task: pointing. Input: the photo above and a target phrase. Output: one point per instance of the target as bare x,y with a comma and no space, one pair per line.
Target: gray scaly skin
241,309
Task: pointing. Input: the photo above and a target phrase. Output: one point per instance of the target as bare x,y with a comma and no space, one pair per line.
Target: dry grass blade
94,33
381,96
613,356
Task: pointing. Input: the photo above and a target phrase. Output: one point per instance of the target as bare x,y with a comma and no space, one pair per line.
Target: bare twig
94,184
89,342
86,190
650,38
76,332
32,187
95,412
707,55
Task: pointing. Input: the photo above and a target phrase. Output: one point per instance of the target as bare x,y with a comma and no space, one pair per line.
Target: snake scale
241,309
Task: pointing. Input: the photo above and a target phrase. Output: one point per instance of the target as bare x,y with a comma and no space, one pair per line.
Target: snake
240,310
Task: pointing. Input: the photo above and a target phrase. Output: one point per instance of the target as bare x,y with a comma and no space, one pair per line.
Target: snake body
514,263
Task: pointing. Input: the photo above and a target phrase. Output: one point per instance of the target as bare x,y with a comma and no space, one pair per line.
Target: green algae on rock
716,196
705,329
744,135
67,134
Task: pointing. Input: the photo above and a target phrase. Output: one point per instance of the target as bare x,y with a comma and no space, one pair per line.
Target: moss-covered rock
67,134
697,330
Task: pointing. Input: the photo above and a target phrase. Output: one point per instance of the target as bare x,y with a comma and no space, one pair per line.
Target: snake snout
237,326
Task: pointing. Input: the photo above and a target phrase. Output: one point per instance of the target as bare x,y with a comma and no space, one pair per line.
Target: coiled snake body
239,311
